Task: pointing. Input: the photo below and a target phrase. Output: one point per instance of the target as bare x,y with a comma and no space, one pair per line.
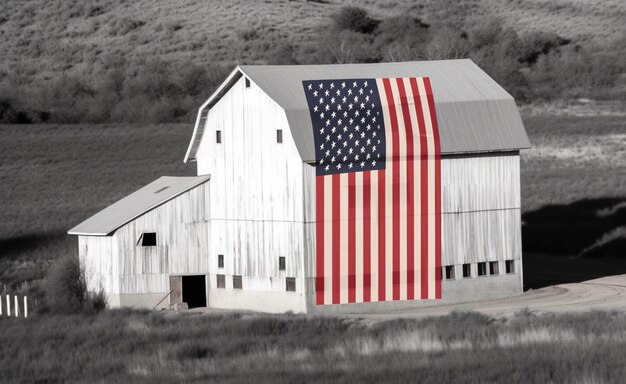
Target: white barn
242,234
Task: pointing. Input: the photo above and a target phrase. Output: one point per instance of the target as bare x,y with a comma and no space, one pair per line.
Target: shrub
354,19
66,288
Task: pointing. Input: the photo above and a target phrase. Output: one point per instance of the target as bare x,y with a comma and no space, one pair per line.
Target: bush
354,19
66,289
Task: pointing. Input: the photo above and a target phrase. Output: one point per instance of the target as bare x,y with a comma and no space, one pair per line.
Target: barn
327,189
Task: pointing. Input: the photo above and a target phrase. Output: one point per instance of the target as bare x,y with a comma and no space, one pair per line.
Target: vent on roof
161,189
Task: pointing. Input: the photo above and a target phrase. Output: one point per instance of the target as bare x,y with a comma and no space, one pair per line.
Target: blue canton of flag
348,125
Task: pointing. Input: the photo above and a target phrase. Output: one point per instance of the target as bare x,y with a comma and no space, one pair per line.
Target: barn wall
99,256
181,225
256,196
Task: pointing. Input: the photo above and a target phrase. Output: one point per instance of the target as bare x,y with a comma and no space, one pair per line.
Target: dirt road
606,293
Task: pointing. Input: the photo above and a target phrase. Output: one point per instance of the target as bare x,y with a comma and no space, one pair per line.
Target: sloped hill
43,38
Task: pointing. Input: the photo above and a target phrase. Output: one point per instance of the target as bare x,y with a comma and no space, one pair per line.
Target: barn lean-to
253,137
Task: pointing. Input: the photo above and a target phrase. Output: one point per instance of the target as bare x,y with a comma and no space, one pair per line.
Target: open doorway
194,291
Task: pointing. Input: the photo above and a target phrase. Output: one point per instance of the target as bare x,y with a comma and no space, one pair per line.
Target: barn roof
163,189
475,114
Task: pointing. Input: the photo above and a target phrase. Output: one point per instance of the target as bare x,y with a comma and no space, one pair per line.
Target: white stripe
343,239
358,181
431,190
402,186
416,192
328,239
374,234
388,196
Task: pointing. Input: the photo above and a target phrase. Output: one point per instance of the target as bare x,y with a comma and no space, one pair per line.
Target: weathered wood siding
181,227
256,209
99,255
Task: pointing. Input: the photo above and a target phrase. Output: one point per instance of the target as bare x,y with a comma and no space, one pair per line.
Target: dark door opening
194,291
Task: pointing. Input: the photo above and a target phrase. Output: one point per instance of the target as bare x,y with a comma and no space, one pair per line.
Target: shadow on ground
574,242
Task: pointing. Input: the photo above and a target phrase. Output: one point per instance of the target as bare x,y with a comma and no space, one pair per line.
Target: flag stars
321,85
332,85
326,93
354,84
315,94
343,85
349,92
332,100
361,91
310,86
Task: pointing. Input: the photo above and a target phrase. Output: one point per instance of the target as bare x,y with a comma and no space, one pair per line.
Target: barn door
176,288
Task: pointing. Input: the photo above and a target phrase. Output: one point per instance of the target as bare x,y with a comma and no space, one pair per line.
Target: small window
281,263
279,135
247,83
467,270
218,137
148,239
291,284
482,268
237,282
220,261
449,272
493,268
221,281
510,266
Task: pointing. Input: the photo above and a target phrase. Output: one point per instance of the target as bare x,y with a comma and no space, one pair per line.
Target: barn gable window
291,284
281,263
237,283
467,270
220,261
493,268
482,268
147,239
218,137
221,281
510,266
247,83
279,136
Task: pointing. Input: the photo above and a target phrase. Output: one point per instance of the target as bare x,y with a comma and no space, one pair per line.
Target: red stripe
381,234
336,238
410,226
319,240
395,189
351,237
367,252
433,118
423,190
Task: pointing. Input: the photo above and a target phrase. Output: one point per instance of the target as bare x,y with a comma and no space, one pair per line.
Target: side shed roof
475,113
163,189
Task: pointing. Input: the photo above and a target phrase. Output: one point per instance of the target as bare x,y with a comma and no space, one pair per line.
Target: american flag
378,189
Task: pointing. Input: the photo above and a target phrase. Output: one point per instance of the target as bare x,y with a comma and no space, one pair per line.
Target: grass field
143,347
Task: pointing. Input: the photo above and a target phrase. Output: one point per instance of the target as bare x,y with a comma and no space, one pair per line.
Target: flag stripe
336,237
358,242
319,242
381,235
367,272
351,237
410,251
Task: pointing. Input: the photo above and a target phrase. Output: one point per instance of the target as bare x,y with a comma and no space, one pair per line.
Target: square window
218,137
237,282
493,268
220,261
279,135
482,268
148,239
281,263
449,272
510,266
467,270
221,281
291,284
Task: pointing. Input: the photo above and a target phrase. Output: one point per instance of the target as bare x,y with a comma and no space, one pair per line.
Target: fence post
25,306
0,306
8,305
17,306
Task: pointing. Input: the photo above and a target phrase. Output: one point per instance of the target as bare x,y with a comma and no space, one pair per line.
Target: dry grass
137,347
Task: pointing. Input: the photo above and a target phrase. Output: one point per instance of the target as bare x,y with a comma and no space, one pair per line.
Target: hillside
42,39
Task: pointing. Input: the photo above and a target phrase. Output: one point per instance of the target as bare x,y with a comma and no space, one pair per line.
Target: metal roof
474,113
163,189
